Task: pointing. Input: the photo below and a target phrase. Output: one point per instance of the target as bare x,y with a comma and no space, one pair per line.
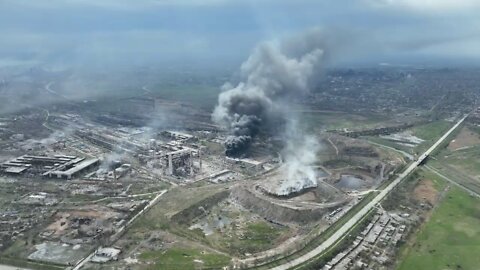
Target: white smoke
300,154
272,76
109,159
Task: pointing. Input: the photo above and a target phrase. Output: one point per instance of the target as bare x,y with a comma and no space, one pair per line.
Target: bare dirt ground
465,138
60,225
425,191
309,197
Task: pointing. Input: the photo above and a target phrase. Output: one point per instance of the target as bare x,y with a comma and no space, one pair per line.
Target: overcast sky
93,32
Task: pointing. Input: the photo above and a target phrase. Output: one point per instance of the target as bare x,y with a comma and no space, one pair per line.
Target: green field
339,120
204,96
429,132
258,236
175,200
178,258
316,240
388,143
461,165
465,173
466,160
432,130
450,239
439,183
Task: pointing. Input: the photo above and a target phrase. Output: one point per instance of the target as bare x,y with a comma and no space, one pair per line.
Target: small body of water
350,182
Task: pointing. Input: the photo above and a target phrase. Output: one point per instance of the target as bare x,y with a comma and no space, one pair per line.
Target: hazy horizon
110,34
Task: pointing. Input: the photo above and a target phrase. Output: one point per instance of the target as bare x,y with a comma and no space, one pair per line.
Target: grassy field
464,173
429,132
339,120
252,237
179,258
29,264
450,239
438,182
460,161
432,130
201,95
258,236
466,160
7,193
382,141
313,243
465,139
174,200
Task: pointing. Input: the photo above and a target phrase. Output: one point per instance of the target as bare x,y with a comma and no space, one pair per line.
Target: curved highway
362,212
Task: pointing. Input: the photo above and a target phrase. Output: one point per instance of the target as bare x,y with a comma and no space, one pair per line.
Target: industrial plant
296,157
101,185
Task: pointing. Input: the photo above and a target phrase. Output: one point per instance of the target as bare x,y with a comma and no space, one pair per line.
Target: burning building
273,76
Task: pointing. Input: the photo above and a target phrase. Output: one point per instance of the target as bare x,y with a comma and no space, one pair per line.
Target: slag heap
297,173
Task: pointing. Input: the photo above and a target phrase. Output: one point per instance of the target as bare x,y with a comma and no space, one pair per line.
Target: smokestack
191,162
200,159
170,164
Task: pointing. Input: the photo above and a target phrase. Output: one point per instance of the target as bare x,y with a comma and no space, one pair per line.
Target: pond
350,182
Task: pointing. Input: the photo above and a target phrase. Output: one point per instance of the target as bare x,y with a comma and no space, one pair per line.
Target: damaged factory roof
104,255
73,170
15,170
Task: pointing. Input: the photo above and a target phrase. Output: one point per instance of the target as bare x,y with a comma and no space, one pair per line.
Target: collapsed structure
58,166
176,157
179,162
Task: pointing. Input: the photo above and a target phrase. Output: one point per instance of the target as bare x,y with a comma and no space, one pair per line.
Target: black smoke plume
273,74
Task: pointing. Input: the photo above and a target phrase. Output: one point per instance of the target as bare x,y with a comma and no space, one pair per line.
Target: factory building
58,166
246,163
180,162
178,136
177,157
68,172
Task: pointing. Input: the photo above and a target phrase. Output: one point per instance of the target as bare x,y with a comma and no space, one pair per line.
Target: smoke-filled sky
82,32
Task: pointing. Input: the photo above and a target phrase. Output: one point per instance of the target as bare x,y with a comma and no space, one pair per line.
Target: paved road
53,92
407,155
360,214
334,146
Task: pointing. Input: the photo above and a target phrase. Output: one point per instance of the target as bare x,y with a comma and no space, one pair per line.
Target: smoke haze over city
99,34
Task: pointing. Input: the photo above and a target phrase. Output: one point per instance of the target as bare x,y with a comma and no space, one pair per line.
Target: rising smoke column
299,156
274,73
